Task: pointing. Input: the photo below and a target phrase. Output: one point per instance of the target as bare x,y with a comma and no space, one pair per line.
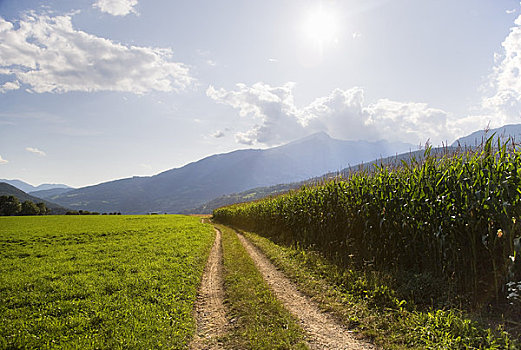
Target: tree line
86,212
10,206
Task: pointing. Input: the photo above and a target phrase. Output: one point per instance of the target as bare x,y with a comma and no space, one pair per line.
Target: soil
210,311
323,330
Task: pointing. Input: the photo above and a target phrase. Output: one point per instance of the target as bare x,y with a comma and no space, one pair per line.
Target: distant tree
72,212
9,205
43,209
29,208
85,212
3,202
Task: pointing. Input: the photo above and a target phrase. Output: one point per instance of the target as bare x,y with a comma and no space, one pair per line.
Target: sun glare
320,26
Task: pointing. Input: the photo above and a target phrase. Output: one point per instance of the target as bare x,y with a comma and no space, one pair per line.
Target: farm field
434,240
103,282
456,218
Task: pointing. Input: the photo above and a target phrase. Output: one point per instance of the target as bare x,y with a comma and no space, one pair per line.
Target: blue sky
94,90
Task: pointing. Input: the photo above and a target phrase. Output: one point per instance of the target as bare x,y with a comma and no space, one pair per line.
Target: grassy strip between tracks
364,303
259,321
100,282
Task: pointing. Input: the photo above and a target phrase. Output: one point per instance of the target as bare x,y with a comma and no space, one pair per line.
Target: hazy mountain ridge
24,186
50,193
192,185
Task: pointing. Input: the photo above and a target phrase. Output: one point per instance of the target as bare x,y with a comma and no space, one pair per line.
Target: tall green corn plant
448,216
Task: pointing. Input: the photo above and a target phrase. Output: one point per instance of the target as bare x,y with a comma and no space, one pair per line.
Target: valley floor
165,281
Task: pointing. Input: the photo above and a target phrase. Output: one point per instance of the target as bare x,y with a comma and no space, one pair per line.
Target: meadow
106,282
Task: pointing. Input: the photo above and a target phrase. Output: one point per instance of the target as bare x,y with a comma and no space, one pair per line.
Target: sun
320,26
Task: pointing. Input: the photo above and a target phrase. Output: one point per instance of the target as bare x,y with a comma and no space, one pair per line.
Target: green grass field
103,282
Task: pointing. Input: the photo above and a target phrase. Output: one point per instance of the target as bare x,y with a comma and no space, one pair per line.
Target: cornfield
456,217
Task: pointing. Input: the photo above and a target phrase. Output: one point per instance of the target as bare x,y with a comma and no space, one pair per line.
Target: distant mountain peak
318,136
321,135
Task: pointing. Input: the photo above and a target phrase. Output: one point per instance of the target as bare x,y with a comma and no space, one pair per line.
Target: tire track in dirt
324,332
210,312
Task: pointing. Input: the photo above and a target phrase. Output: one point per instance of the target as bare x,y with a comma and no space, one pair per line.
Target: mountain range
179,189
28,188
239,175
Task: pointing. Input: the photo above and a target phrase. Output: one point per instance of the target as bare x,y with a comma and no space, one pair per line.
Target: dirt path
209,308
323,330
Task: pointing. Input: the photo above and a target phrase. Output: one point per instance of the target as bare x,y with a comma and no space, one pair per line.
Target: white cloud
49,55
510,11
35,151
10,85
116,7
409,121
466,125
504,99
218,134
3,161
272,108
343,114
246,138
357,35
